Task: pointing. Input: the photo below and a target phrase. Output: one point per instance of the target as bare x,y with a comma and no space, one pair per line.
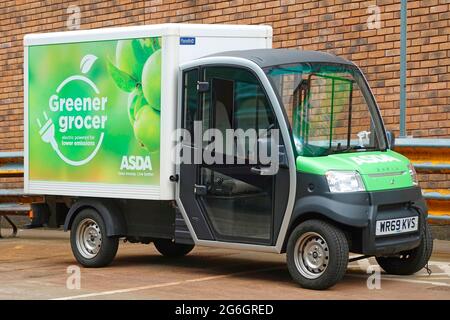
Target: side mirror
391,139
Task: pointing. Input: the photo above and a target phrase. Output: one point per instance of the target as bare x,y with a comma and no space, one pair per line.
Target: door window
237,204
237,101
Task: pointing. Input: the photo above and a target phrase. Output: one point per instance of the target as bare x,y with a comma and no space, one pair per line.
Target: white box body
180,43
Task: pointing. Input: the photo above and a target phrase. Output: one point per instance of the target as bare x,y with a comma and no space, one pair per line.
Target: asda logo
139,163
374,159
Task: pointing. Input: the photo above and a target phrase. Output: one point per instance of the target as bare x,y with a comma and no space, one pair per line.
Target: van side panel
100,105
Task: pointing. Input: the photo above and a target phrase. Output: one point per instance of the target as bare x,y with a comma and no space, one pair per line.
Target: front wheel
168,248
90,245
411,261
317,254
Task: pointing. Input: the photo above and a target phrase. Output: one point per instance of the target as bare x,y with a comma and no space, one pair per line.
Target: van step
182,234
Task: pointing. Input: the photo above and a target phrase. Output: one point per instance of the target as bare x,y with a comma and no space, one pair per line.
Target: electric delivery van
183,135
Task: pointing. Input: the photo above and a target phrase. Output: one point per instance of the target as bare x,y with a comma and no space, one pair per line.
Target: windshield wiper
354,148
349,149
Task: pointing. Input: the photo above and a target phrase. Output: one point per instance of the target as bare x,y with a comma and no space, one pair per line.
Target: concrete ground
35,265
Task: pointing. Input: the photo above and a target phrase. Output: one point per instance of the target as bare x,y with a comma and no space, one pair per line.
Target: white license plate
393,226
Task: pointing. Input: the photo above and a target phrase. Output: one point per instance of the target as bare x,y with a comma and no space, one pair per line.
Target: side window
253,110
238,101
223,102
190,97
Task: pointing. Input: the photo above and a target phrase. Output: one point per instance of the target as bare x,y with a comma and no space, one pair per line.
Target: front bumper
392,204
358,212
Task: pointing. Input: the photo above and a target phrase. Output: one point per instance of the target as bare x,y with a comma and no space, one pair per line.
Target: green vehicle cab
339,188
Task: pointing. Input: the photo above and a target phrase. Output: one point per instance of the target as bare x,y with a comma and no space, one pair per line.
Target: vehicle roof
153,30
273,57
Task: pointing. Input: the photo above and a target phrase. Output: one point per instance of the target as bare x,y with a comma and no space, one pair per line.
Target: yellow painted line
162,285
440,191
437,213
7,172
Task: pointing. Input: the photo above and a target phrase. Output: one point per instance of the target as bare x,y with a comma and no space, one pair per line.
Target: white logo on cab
374,159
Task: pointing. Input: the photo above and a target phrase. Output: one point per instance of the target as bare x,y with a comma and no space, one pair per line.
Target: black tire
106,246
335,248
411,261
170,249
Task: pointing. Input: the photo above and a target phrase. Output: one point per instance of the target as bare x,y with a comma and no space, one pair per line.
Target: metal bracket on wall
13,226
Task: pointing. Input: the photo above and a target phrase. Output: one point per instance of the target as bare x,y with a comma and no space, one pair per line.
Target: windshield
329,107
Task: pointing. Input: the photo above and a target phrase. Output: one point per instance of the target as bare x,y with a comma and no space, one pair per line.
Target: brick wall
337,26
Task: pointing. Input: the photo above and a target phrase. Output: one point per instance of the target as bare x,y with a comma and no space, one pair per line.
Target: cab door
228,191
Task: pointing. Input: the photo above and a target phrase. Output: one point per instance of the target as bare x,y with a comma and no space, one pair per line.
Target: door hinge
202,86
200,190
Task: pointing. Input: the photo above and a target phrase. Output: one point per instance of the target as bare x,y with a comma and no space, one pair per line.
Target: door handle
263,171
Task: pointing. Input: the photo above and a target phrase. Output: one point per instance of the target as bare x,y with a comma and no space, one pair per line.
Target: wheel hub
89,238
312,255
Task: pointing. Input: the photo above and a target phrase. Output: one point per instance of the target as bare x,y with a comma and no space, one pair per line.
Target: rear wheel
317,254
411,261
90,245
168,248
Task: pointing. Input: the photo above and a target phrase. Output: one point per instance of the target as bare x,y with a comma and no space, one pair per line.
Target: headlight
413,174
344,181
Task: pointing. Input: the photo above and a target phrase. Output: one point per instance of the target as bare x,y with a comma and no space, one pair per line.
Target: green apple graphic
150,45
126,59
138,71
151,80
146,128
135,102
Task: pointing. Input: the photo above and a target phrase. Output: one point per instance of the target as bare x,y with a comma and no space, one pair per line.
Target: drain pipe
403,34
